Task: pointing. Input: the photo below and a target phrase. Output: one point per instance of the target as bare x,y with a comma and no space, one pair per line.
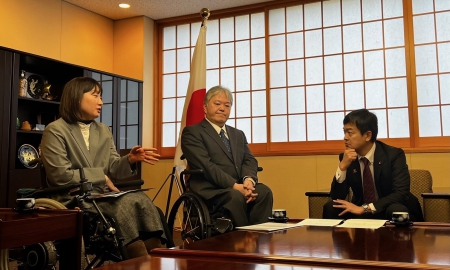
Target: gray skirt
135,216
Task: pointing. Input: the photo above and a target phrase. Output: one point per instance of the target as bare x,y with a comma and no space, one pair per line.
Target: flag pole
193,105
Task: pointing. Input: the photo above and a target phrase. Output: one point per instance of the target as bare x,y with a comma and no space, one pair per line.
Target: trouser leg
261,209
234,203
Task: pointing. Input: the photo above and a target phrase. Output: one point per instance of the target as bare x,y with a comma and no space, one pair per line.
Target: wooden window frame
413,144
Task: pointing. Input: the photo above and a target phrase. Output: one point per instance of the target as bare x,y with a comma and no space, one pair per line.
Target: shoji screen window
329,58
431,21
235,48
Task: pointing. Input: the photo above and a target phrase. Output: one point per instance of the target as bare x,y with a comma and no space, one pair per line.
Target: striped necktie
368,184
225,140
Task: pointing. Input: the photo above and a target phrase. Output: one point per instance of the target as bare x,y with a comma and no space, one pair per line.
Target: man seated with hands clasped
376,172
229,182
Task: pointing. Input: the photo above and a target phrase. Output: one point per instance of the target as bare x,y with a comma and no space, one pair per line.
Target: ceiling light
124,5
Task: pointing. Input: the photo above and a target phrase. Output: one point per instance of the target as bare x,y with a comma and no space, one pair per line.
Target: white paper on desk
320,222
363,223
115,194
269,227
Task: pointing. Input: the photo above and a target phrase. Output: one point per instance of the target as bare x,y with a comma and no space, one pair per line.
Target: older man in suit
376,172
229,182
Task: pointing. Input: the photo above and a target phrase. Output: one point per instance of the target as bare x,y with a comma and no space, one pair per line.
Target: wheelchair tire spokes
189,220
12,259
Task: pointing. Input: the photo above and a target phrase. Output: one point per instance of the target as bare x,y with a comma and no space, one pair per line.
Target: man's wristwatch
366,208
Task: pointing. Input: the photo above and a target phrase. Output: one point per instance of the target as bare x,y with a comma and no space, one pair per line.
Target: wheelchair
101,243
191,219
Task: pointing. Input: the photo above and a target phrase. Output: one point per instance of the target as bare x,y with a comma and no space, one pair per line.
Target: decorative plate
35,86
26,154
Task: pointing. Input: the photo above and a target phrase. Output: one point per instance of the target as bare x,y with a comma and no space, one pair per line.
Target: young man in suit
376,172
229,182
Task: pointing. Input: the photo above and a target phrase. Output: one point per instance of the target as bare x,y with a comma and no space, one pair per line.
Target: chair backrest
421,182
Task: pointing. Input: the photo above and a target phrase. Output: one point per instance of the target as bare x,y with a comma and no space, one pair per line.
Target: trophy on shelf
46,95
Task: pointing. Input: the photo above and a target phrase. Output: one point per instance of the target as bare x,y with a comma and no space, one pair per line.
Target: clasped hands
247,190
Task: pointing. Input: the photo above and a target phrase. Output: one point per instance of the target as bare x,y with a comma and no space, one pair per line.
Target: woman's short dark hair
69,108
364,121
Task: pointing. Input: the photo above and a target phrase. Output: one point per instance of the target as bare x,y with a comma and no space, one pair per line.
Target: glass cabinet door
121,110
130,116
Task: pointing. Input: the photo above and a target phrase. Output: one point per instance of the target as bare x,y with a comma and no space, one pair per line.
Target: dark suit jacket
391,174
204,149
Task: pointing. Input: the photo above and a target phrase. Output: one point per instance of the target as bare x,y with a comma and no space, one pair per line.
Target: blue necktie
225,140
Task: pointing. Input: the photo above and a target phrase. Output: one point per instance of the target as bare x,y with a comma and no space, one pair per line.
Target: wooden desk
418,247
157,262
40,226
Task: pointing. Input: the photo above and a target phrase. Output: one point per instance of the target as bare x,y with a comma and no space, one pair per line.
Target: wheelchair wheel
99,247
42,256
37,256
189,220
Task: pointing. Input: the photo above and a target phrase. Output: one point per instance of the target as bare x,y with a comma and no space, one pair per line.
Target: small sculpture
25,126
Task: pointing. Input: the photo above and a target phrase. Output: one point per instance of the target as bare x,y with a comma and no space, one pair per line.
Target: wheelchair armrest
50,190
132,183
44,192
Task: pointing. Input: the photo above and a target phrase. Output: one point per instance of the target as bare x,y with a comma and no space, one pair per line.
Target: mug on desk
25,204
400,217
279,213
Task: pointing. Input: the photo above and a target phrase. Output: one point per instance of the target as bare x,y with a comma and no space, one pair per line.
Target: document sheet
363,223
349,223
320,222
269,226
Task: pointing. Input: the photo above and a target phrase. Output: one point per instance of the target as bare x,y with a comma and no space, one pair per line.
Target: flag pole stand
173,178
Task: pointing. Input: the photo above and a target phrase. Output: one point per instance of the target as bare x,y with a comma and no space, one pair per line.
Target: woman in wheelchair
76,141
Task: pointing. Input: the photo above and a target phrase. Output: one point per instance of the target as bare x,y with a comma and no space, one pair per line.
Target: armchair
435,206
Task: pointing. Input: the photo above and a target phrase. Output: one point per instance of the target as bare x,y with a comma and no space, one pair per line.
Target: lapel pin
379,163
354,171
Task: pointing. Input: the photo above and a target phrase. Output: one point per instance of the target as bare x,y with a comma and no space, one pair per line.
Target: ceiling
157,9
